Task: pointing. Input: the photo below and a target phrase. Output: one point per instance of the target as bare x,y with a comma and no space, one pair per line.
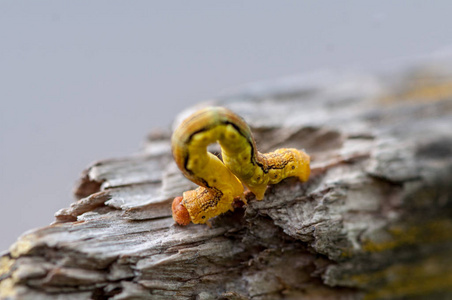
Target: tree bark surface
374,220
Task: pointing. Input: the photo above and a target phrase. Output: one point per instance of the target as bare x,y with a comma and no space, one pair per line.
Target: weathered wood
373,221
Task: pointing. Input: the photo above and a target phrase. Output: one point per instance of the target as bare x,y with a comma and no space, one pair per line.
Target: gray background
87,80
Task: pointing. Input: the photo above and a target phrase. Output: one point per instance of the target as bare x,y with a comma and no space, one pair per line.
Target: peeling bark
373,221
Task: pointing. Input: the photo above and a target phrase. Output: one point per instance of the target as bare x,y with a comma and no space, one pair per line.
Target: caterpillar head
302,169
296,164
180,213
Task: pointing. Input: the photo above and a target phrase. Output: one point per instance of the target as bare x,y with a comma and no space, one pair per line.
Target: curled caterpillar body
221,182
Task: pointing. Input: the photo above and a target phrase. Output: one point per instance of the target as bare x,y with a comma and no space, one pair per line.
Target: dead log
373,221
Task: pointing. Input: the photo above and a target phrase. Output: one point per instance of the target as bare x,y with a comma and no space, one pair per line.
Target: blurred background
87,80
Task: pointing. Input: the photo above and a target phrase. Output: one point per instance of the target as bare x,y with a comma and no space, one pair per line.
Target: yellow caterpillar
221,181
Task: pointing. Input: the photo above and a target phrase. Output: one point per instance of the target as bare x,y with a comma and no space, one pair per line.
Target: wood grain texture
374,221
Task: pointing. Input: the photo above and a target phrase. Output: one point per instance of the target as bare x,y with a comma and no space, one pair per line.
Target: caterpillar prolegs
222,181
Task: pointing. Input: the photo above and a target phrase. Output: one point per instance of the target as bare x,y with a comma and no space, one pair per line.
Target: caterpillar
222,181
